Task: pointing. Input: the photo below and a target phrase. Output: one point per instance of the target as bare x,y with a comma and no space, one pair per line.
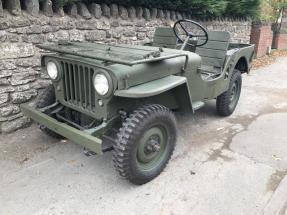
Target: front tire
227,102
46,98
145,143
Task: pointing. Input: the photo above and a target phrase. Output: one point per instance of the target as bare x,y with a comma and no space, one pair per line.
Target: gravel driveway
223,166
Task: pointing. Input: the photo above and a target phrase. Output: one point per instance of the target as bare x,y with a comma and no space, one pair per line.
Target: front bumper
80,137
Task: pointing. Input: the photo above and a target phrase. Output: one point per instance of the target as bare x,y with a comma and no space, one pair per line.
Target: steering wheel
188,26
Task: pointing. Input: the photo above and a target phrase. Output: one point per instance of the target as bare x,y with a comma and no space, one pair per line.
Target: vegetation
271,10
243,8
62,3
200,8
279,7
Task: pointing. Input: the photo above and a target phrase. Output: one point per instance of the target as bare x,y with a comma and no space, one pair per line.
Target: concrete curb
278,202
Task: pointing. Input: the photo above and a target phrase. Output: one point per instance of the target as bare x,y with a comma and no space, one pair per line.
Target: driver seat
164,37
213,53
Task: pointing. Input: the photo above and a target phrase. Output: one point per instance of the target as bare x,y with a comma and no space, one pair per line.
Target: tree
279,7
272,11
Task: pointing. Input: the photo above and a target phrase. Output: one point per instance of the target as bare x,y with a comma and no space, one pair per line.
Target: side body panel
202,90
197,88
130,82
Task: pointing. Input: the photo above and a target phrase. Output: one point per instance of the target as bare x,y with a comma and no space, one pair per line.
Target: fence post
280,33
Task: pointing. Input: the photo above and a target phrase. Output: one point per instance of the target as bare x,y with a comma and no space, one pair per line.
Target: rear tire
46,98
227,102
145,143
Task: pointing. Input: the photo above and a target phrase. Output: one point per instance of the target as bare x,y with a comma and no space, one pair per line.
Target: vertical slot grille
78,85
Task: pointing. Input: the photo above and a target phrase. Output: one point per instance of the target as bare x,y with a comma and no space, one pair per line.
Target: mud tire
134,128
227,102
46,98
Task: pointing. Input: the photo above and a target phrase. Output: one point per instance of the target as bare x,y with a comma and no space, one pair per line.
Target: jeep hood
122,54
130,64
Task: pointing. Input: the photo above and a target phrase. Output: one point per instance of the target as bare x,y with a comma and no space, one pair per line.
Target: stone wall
21,31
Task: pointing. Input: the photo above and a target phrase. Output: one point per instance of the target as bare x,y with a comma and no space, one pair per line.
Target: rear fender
241,60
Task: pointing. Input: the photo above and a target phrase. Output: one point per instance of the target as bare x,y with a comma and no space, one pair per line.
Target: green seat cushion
164,37
213,53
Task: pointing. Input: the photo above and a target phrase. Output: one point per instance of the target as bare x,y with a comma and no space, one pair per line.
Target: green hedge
199,8
243,8
62,3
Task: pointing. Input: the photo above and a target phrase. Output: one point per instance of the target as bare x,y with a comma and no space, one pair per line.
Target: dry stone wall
21,30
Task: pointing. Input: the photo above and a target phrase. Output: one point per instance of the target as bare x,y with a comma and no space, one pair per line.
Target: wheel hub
153,145
151,148
233,92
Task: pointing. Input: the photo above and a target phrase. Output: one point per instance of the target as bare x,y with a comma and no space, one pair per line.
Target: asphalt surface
224,166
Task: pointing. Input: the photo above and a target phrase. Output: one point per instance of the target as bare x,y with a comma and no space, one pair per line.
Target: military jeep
122,97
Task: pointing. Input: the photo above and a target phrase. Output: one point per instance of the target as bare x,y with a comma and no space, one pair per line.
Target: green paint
138,75
81,137
152,148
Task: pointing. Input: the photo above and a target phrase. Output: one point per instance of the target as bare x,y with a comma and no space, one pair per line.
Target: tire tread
222,101
128,134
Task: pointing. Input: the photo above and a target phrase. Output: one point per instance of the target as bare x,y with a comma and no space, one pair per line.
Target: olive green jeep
122,97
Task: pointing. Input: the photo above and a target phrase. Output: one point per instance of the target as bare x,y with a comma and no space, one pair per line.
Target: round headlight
52,70
101,84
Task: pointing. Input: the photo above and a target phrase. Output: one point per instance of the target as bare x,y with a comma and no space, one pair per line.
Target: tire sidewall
235,77
171,132
47,97
129,138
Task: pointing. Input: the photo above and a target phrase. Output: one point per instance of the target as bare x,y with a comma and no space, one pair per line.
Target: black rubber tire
223,101
125,148
44,99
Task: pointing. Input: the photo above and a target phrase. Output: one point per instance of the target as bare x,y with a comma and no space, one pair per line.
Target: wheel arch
183,97
159,91
242,65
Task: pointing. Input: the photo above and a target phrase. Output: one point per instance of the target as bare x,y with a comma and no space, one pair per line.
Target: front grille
78,85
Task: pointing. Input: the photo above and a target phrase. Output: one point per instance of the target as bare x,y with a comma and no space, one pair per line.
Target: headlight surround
52,70
101,84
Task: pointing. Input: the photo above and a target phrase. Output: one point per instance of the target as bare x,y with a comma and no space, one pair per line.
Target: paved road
223,166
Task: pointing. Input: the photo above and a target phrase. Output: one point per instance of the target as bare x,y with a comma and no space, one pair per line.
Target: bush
62,3
243,8
195,7
271,10
199,8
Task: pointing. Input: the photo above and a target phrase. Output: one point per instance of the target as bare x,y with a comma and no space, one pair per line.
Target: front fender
152,88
